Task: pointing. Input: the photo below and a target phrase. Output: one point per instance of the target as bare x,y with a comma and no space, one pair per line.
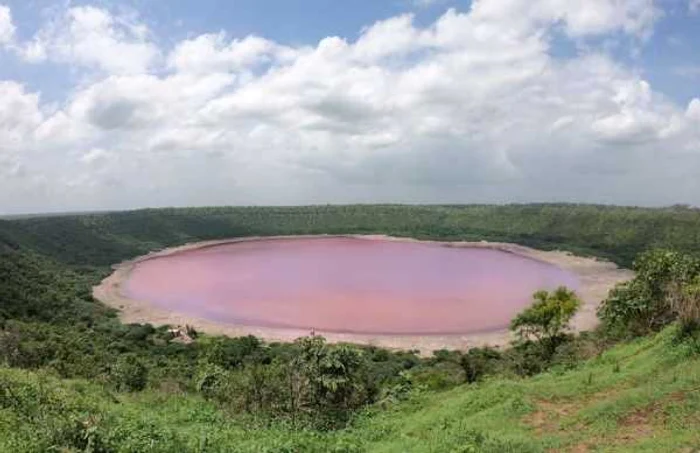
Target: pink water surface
347,285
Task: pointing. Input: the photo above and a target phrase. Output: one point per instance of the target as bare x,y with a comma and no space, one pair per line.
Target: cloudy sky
126,104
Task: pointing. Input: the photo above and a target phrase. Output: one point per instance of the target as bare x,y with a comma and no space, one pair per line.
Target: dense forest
74,378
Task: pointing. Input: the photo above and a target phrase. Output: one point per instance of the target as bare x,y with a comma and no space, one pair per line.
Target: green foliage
211,381
232,354
547,319
331,380
35,288
571,353
129,373
684,302
439,377
479,362
644,305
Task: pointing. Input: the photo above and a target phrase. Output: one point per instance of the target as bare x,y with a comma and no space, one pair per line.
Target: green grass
641,396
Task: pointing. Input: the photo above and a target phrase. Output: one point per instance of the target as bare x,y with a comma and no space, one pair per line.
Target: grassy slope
641,396
651,404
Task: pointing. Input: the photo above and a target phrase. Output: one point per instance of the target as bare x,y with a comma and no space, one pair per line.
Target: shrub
478,362
645,304
331,381
684,301
572,352
210,380
443,376
129,373
230,353
527,358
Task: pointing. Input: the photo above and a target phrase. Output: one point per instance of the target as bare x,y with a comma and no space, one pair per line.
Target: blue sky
255,102
670,59
296,21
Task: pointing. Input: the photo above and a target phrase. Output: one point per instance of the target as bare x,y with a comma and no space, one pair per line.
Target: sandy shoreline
596,279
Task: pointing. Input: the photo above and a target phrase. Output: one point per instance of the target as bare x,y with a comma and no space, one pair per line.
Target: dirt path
596,279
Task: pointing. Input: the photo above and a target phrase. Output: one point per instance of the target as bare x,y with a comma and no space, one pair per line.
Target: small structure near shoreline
184,335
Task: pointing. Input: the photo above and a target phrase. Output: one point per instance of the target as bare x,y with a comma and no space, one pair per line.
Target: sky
145,103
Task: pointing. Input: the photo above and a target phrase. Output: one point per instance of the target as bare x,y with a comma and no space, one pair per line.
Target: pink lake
347,285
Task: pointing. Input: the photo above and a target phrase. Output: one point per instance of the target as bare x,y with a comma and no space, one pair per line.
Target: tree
547,318
332,376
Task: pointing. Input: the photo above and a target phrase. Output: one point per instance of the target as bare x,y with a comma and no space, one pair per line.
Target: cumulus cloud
470,108
93,37
635,17
19,114
19,118
213,53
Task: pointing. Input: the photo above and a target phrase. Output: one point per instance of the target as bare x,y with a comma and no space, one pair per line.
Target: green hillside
75,379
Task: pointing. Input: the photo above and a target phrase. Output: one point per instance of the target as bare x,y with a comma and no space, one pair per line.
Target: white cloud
470,108
7,28
579,18
92,37
636,119
19,113
19,118
213,53
693,111
395,36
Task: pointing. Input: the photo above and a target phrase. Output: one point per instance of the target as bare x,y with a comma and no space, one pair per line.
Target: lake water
347,285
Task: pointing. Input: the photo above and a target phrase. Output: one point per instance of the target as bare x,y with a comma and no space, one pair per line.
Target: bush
576,350
129,373
329,381
478,362
684,302
231,353
443,376
646,303
527,358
